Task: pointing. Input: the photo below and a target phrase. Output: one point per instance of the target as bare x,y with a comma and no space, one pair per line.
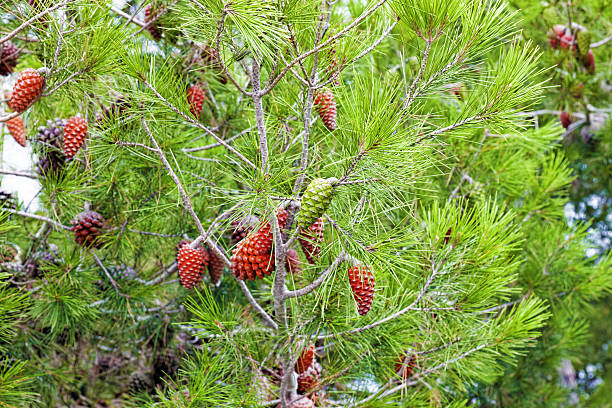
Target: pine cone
49,147
326,106
74,135
152,28
215,267
262,388
116,109
311,240
139,382
87,227
293,262
35,265
566,119
253,257
195,97
27,90
16,129
362,283
310,378
589,62
191,264
583,40
9,53
305,359
243,227
166,365
315,201
405,366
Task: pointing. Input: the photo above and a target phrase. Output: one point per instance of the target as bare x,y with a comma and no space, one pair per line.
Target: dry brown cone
88,227
305,359
362,284
309,379
191,264
405,365
75,131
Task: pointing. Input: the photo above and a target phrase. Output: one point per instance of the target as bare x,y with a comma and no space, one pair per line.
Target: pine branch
196,123
602,42
259,120
31,20
435,273
129,18
324,44
37,217
18,173
211,146
317,282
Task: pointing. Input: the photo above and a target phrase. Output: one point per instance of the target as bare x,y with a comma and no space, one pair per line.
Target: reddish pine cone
191,264
566,119
305,359
87,228
253,257
243,227
362,284
311,240
8,58
152,28
27,90
589,62
310,378
215,267
74,135
16,129
326,106
293,262
405,365
195,97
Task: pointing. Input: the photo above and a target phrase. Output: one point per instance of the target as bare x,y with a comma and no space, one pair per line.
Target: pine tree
454,205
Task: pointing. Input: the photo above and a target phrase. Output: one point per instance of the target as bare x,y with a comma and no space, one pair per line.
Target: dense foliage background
454,176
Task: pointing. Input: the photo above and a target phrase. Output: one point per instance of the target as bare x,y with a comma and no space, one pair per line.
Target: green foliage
442,184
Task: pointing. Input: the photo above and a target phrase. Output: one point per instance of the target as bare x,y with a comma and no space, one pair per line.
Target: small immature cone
16,129
87,228
566,119
362,284
74,135
27,90
325,104
195,97
305,359
191,264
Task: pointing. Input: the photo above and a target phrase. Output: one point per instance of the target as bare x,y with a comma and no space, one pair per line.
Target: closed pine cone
87,228
27,90
362,284
16,129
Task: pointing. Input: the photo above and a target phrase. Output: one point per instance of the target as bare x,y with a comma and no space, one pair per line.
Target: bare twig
18,173
128,17
37,217
602,42
211,146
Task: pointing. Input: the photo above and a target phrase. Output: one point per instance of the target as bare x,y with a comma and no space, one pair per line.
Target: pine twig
324,44
31,20
317,282
197,124
38,217
18,173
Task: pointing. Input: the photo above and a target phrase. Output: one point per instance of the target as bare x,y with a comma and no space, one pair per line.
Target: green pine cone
315,201
584,42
